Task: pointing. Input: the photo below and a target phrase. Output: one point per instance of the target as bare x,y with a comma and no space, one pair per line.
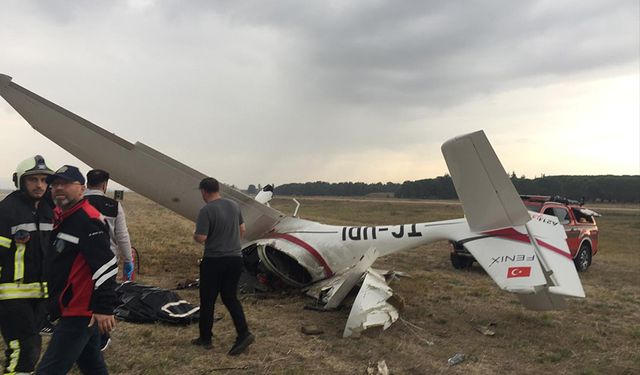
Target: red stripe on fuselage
306,246
512,234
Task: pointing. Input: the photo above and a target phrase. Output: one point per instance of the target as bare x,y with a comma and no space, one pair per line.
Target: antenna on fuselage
295,212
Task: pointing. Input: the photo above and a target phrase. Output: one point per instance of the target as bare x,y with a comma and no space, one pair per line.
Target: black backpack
149,304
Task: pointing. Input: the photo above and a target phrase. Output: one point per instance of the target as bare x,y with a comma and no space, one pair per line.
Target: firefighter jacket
22,273
82,269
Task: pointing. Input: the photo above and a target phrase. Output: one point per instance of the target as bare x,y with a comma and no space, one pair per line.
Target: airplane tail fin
488,197
524,252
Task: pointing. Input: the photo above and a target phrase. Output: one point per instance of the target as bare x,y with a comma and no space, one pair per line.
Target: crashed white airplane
524,252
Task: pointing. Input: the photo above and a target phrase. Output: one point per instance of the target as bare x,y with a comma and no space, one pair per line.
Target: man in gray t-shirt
219,227
220,220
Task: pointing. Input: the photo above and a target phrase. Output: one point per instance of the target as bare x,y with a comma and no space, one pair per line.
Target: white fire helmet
32,165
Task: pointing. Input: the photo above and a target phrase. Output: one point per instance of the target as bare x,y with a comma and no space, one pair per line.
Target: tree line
347,189
604,188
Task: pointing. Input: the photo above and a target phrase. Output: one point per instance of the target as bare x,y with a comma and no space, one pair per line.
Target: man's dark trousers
73,341
220,276
20,322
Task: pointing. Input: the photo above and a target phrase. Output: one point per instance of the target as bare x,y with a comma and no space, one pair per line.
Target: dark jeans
73,342
220,276
20,322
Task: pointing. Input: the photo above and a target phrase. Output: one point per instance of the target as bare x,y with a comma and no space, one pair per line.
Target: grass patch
443,306
555,356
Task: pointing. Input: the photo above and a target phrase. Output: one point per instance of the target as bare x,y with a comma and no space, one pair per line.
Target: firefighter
26,222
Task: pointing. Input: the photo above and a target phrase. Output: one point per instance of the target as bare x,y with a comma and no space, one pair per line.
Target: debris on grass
371,310
485,330
413,327
188,284
456,359
379,368
311,330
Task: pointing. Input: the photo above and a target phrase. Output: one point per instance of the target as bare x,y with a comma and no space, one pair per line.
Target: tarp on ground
149,304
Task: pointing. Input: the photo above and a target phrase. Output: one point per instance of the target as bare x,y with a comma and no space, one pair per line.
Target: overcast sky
295,91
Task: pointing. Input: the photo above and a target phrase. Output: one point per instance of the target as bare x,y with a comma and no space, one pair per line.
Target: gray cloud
398,51
345,76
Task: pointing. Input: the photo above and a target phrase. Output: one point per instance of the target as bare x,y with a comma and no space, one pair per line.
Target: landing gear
460,262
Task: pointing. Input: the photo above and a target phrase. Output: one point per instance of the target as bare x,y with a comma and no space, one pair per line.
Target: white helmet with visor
30,166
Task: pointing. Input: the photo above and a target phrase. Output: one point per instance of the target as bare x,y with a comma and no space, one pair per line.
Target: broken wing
164,180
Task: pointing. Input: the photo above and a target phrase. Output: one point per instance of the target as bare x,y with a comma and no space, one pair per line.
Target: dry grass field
443,308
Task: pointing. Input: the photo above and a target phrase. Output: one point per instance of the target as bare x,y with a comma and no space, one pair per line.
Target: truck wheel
583,259
460,262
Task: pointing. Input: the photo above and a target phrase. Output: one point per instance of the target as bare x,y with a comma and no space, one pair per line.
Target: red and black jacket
82,268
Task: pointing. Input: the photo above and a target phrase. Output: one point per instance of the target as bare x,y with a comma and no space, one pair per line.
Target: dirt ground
445,309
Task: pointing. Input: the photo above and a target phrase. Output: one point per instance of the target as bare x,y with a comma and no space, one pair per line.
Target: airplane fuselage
325,250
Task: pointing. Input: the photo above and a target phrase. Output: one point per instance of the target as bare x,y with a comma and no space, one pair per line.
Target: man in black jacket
82,271
111,209
26,219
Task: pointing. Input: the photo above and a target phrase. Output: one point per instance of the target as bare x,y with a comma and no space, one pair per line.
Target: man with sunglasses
82,271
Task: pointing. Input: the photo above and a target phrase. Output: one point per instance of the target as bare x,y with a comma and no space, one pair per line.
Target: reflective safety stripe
46,226
18,270
14,357
68,238
29,227
17,290
105,277
104,268
5,242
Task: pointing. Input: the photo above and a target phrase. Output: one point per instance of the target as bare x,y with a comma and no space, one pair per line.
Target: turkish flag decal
518,272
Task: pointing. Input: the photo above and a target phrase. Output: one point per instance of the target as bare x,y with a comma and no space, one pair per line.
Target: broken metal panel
371,308
321,289
332,292
352,277
294,251
390,275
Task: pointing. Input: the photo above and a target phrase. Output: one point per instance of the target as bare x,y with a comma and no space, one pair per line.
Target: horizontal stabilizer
509,258
551,246
532,261
489,199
